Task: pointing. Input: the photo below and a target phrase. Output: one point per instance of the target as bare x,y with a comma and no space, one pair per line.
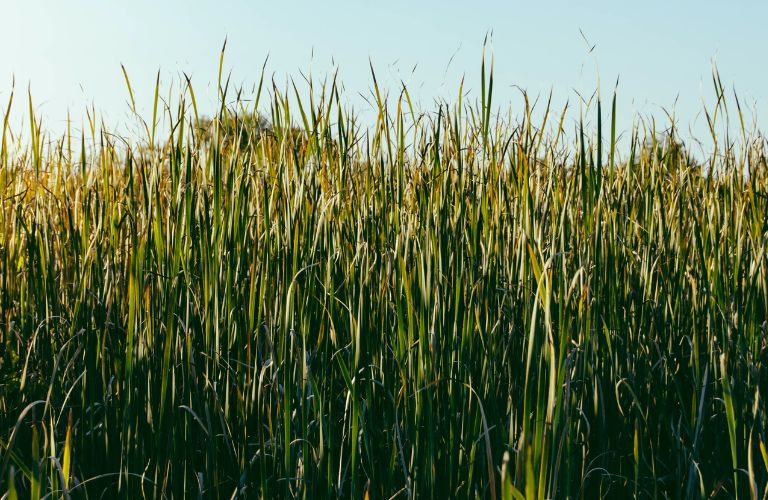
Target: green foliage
437,306
236,129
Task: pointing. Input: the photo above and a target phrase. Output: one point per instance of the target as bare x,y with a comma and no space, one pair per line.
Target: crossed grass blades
447,304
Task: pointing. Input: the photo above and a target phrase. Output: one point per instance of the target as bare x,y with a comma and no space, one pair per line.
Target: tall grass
448,304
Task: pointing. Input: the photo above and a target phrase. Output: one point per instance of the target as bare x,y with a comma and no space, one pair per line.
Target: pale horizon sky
69,53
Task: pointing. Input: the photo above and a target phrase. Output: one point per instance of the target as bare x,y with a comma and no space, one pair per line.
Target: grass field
454,304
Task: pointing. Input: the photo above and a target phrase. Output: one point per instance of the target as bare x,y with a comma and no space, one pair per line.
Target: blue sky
70,52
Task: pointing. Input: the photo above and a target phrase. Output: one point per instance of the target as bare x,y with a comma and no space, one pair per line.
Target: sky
662,53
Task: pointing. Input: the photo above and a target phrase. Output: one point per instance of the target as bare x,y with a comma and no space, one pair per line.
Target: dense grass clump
449,304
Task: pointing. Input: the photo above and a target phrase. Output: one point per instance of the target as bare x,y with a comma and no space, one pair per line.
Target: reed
447,304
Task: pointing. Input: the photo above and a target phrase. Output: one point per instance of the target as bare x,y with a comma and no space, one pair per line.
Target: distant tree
668,149
234,128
